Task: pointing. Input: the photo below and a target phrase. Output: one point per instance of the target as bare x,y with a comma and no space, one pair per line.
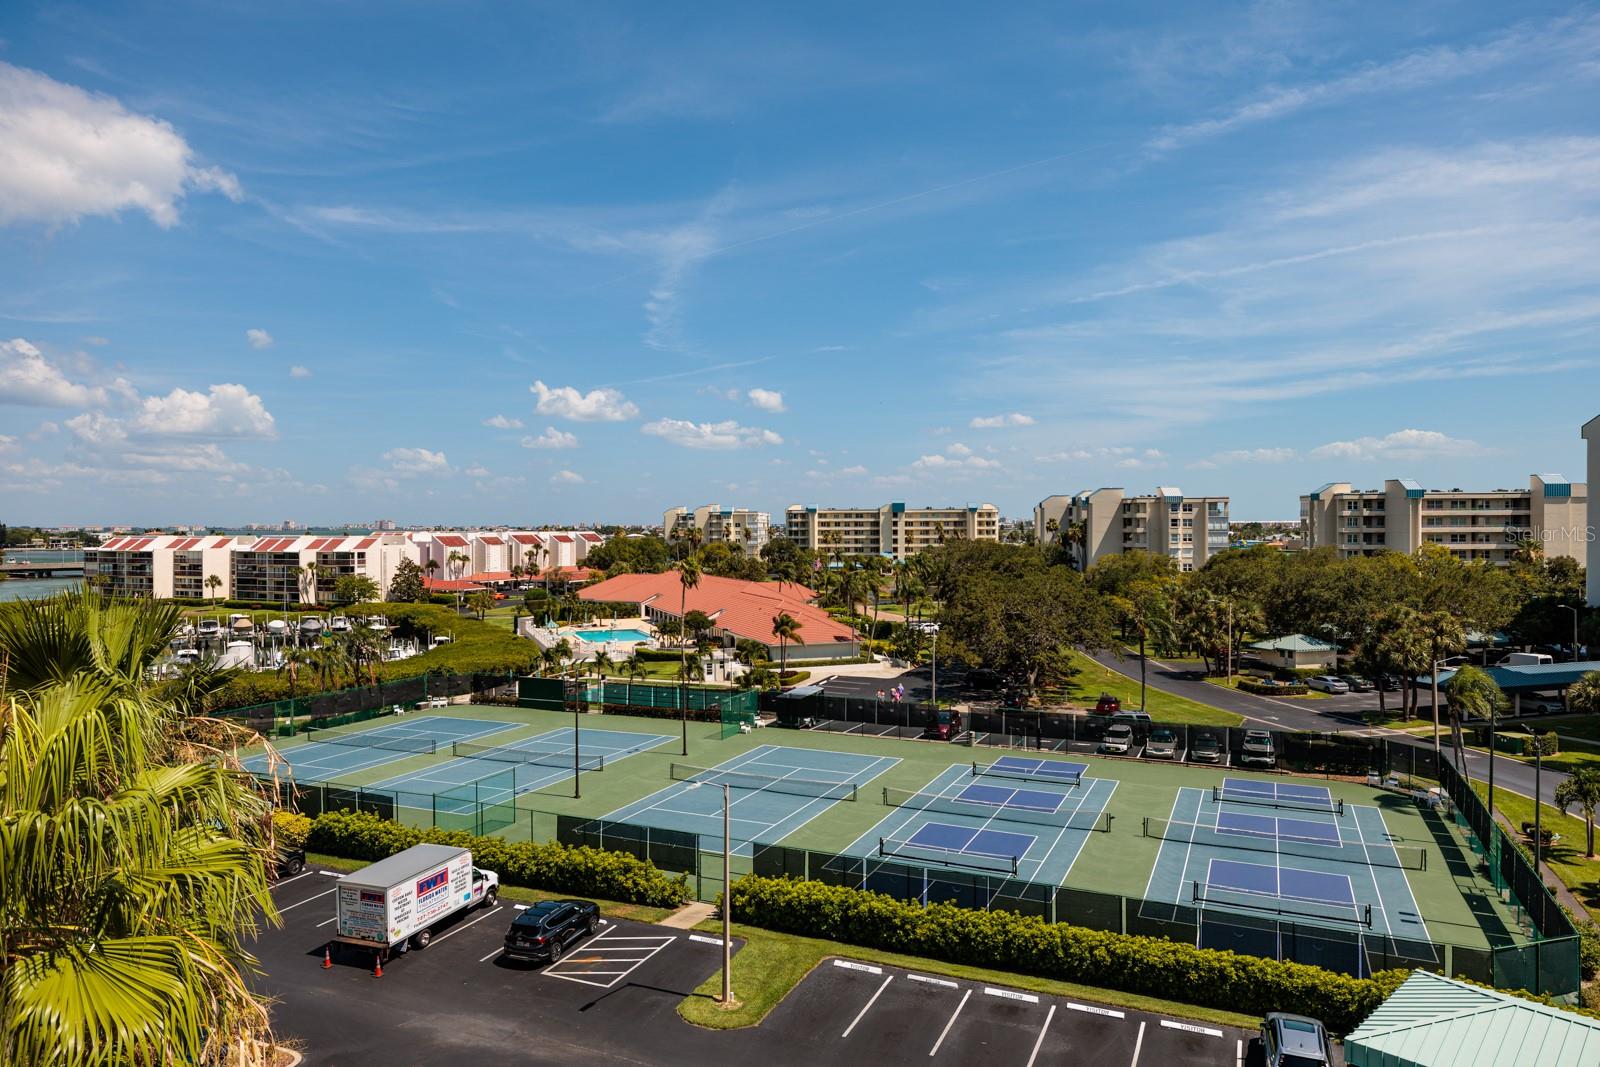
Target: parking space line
1191,1028
950,1022
1238,1053
1042,1031
868,1006
646,952
1008,994
1095,1009
1138,1043
492,955
945,982
308,900
464,926
325,922
296,878
852,965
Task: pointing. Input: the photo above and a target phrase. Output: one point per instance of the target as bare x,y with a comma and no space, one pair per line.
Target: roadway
1331,713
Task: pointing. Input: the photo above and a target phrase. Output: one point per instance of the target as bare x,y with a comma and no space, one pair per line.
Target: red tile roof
744,609
591,537
451,541
222,542
450,585
527,539
185,544
490,576
365,543
489,539
563,538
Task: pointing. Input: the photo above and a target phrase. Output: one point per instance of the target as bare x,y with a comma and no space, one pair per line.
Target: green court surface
832,800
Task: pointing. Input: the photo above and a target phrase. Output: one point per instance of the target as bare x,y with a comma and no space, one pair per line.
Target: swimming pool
600,636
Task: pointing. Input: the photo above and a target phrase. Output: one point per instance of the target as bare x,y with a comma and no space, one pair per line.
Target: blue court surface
770,796
1322,868
970,822
1033,769
509,779
323,761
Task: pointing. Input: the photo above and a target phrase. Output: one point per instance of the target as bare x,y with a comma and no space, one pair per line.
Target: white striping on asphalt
1138,1043
1042,1031
1010,994
851,965
1191,1028
325,922
296,904
296,878
464,926
492,955
1095,1009
950,1022
867,1007
945,982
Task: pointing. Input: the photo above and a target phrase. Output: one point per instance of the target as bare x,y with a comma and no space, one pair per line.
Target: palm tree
213,583
124,946
1582,788
635,669
481,601
1052,527
603,664
785,628
1445,636
688,578
1471,692
294,658
1584,694
458,562
432,568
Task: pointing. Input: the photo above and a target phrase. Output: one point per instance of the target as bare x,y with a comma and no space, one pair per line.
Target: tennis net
372,740
1071,776
1220,793
772,783
982,861
1098,821
538,757
1410,857
1292,907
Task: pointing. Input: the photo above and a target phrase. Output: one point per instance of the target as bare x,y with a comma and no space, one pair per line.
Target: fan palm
688,578
785,628
1582,788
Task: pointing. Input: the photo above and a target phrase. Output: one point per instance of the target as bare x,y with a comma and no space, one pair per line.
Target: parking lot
614,997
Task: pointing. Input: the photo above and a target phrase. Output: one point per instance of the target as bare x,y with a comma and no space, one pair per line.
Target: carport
1433,1021
1519,680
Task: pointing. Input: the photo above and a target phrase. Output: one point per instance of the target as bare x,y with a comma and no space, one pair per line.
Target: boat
237,654
379,623
311,624
277,627
241,625
339,624
208,629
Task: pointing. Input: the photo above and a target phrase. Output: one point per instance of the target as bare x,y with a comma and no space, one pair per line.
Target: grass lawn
517,894
1565,858
771,964
1573,755
1089,679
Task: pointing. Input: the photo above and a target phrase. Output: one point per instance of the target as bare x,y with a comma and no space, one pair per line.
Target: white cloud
552,438
715,435
597,405
226,411
1247,455
565,477
7,442
959,449
1120,456
477,470
416,461
258,338
66,153
766,399
503,422
995,422
1400,445
297,371
936,462
27,377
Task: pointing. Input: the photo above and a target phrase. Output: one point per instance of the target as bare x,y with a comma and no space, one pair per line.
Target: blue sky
450,263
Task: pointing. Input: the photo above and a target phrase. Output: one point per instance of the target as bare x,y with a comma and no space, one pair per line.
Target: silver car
1163,744
1118,739
1328,683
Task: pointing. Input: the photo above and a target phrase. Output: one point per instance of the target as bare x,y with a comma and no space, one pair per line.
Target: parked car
1163,744
1205,748
291,861
1357,683
1107,705
1294,1041
1327,683
1389,683
1258,749
1538,704
1118,739
1133,716
544,931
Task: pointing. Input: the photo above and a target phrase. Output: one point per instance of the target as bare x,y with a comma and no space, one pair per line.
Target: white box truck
399,900
1515,659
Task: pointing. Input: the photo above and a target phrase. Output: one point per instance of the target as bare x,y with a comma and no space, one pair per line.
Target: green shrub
290,829
548,865
1026,944
1280,690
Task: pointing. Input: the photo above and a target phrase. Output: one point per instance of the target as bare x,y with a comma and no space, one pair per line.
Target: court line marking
950,1022
867,1007
1042,1031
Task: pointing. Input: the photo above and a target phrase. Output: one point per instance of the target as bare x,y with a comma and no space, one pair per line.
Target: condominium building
1104,522
891,530
160,565
1591,434
1482,525
304,569
738,527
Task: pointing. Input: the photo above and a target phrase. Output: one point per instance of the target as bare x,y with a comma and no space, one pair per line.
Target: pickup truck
395,903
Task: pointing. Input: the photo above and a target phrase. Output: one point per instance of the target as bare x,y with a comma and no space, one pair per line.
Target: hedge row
1282,689
1026,944
559,868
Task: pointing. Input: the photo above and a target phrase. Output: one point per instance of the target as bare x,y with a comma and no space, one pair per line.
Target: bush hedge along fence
1026,944
559,868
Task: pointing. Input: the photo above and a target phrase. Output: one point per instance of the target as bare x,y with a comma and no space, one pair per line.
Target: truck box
1514,659
383,904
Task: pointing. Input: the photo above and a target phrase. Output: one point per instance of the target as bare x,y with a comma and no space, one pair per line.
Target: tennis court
774,791
1017,817
1287,854
329,754
533,762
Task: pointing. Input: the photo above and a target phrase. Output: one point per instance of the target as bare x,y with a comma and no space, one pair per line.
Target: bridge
26,569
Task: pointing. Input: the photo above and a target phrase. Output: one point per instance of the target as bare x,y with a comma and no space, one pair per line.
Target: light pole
1569,607
727,893
1434,669
1538,767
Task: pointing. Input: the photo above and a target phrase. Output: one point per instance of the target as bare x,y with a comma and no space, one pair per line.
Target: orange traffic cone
327,958
377,966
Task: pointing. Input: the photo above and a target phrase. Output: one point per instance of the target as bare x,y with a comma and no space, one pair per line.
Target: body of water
44,555
32,588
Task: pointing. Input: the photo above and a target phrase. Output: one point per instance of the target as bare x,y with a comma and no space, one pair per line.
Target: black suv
547,929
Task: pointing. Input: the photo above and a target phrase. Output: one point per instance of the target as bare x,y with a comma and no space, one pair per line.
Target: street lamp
1434,668
1569,607
727,894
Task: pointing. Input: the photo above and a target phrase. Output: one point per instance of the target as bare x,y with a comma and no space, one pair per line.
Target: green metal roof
1294,643
1531,677
1433,1021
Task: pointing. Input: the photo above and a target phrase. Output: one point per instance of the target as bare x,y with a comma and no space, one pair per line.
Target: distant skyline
580,264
